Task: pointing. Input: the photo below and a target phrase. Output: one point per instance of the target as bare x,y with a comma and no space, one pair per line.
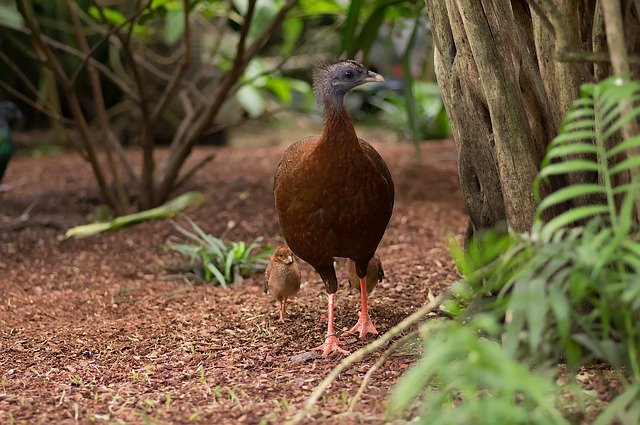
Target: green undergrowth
216,260
561,297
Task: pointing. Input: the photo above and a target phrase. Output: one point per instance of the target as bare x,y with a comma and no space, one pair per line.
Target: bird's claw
362,327
331,344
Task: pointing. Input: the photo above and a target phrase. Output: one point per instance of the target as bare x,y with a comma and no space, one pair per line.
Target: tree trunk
506,94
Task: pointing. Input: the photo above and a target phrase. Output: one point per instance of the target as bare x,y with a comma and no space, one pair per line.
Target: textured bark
506,93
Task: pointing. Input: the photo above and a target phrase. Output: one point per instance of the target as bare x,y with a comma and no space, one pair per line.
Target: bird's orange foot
363,327
331,344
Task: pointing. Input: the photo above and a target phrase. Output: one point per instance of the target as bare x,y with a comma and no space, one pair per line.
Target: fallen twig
359,354
383,357
22,218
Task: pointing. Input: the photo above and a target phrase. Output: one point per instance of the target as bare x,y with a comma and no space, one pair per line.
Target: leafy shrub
432,122
215,260
552,295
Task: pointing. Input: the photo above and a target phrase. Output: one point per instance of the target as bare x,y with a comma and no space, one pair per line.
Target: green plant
556,294
214,259
432,123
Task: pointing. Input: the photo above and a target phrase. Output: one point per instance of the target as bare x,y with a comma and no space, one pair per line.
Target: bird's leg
283,309
331,342
364,324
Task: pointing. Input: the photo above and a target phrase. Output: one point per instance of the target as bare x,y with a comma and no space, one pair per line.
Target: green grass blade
617,407
217,274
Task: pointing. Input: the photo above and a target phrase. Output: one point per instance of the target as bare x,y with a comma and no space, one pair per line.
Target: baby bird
375,274
282,277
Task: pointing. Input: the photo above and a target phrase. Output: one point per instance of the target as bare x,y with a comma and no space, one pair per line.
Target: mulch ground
92,331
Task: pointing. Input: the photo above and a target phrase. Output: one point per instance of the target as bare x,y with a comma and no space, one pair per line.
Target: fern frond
585,144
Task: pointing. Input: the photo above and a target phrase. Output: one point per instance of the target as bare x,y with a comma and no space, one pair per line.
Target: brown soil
91,331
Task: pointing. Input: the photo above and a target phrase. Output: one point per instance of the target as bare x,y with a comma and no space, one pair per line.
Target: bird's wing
379,165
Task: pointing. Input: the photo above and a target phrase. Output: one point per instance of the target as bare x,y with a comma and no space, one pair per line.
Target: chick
282,277
375,274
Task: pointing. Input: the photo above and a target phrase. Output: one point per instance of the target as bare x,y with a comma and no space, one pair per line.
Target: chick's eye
348,74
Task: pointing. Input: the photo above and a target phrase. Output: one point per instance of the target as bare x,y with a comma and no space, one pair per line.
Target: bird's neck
337,126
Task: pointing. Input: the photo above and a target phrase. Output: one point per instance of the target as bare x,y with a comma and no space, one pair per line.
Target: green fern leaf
571,216
570,192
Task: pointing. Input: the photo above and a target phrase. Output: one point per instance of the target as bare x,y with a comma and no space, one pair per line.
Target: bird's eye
348,74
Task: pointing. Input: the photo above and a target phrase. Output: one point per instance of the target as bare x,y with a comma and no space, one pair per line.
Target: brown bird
282,277
346,201
375,274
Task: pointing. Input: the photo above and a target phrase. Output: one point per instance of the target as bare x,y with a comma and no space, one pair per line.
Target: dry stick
359,354
383,357
52,62
98,102
180,70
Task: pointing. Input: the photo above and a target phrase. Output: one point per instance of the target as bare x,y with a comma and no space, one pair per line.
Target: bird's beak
290,259
373,77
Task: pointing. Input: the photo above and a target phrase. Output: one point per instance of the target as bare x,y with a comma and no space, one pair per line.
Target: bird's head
332,82
9,112
283,254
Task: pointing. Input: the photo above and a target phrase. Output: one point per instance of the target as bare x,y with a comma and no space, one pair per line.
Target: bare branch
193,170
266,34
180,71
48,112
146,182
16,69
183,146
105,38
52,62
569,55
75,52
98,102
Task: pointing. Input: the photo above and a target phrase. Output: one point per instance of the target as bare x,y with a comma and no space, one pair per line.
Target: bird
375,274
282,277
9,114
344,206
